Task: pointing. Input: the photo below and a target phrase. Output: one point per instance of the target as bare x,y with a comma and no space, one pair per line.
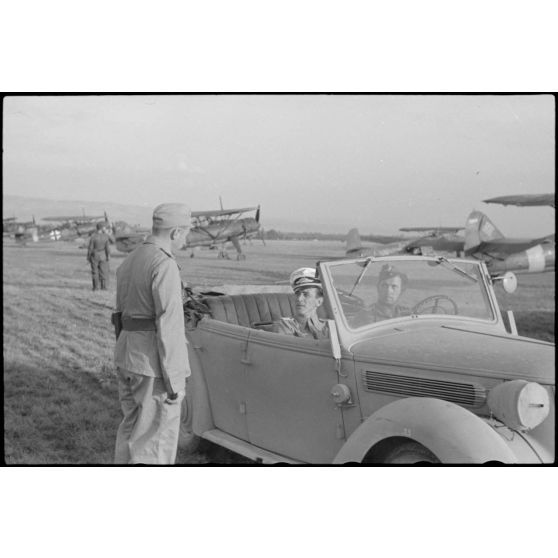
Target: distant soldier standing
151,351
98,255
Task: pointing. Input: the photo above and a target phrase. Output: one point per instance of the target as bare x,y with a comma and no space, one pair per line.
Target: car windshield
371,290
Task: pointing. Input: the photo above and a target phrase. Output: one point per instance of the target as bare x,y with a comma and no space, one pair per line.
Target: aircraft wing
221,212
432,229
525,200
75,218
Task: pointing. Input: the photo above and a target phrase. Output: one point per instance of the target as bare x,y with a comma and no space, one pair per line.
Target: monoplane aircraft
437,239
520,255
213,228
385,245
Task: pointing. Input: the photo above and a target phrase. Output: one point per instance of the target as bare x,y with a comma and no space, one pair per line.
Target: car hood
457,349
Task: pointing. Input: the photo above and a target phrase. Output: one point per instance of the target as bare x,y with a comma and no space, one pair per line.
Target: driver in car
391,284
309,297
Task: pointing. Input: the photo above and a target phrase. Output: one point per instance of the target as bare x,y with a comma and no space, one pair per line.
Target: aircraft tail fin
478,229
354,244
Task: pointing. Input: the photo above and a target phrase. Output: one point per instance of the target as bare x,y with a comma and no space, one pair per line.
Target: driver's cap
388,271
303,278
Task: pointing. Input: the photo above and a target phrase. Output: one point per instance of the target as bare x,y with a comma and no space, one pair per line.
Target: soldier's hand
174,398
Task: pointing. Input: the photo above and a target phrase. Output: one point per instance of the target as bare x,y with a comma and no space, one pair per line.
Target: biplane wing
440,230
222,212
525,200
79,219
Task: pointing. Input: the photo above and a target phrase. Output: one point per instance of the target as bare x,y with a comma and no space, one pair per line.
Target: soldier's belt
138,324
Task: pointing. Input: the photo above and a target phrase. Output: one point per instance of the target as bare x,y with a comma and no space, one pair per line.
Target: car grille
472,395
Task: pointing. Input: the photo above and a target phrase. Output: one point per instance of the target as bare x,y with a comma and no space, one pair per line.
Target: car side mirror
509,281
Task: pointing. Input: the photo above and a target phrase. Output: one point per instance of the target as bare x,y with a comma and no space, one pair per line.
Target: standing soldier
98,255
151,353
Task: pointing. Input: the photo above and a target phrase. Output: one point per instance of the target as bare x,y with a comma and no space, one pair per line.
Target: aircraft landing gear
223,255
240,257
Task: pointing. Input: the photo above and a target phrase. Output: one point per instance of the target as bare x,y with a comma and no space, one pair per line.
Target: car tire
188,442
409,453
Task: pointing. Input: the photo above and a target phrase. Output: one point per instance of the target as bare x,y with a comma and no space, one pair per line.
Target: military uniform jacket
99,247
315,327
148,285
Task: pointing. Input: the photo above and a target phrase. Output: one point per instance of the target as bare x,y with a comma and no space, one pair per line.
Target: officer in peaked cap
151,353
390,286
98,256
309,297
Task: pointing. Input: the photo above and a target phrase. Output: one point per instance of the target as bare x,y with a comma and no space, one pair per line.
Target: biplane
213,229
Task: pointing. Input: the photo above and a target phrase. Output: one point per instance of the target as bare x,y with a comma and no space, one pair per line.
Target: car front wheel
410,453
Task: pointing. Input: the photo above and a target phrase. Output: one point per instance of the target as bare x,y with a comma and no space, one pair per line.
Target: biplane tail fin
354,244
479,229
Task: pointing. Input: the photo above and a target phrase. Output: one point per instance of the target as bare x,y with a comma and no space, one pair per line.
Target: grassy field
60,393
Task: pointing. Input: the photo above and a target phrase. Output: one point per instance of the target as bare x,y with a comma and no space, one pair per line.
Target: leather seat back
247,309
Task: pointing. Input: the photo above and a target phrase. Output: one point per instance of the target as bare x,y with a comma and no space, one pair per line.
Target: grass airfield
60,390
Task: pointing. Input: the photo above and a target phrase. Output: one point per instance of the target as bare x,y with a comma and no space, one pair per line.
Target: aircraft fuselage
535,258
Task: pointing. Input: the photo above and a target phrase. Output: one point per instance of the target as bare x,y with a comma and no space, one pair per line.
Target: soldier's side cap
388,271
304,277
168,215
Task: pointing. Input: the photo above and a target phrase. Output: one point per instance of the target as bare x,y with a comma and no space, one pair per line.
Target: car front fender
452,433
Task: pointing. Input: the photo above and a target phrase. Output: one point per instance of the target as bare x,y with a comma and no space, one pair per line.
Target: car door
290,410
221,348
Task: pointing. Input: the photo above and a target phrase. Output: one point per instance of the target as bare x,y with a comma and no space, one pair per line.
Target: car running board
244,448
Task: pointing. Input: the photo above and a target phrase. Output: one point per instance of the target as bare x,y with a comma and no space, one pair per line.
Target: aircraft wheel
410,453
240,257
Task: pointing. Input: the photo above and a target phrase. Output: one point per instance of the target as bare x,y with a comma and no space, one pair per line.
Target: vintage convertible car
445,381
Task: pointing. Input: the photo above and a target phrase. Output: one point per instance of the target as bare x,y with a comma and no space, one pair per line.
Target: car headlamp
520,405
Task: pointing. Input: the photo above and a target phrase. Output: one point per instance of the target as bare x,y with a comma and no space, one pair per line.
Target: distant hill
25,208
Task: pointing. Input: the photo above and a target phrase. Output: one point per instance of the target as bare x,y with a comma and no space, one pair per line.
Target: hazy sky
376,162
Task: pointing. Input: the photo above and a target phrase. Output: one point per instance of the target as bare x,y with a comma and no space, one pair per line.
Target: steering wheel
431,305
351,303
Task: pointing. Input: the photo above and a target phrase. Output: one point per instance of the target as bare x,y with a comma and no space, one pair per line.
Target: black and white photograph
278,278
245,279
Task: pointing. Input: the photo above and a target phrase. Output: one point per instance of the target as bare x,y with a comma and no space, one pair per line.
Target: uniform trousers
99,273
149,430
